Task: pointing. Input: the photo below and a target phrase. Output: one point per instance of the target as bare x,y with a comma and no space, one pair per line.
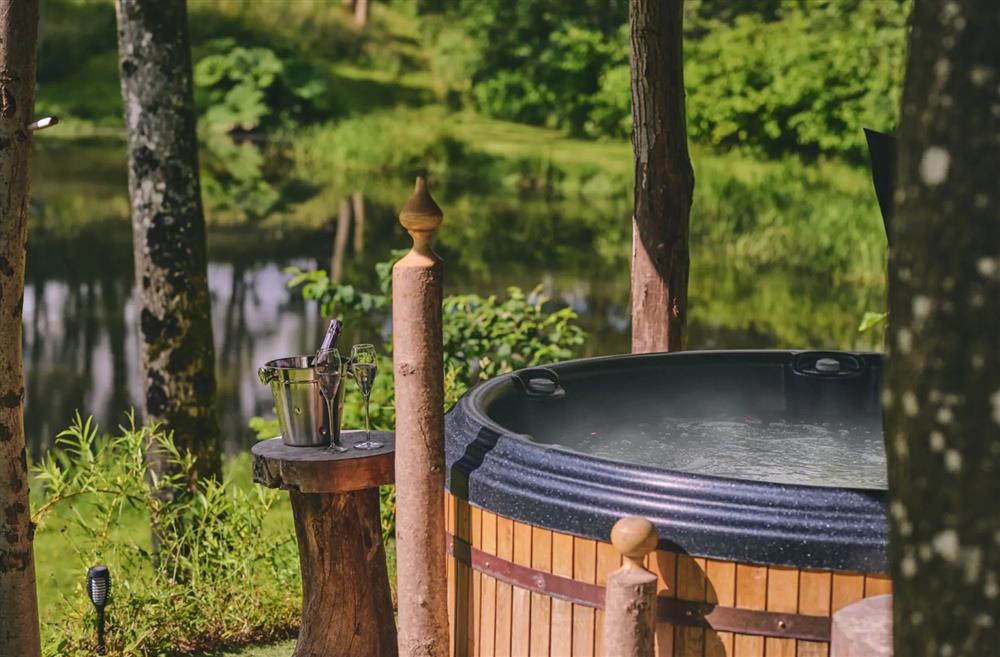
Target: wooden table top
318,470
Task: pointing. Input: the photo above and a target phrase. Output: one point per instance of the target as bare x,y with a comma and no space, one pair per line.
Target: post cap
634,537
420,213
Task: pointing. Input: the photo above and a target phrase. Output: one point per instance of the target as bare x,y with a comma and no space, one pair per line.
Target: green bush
774,77
805,79
193,593
253,88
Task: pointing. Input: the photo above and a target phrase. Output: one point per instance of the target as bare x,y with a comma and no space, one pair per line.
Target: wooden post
417,360
630,595
863,629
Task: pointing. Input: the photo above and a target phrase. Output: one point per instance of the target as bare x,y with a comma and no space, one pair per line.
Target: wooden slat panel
691,585
847,588
477,579
541,605
487,626
783,596
751,593
608,560
664,566
875,585
521,613
721,590
815,589
584,570
505,550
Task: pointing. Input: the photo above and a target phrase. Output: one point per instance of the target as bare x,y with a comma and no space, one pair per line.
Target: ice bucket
298,403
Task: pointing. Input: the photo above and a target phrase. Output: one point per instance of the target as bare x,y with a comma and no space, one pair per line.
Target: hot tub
763,471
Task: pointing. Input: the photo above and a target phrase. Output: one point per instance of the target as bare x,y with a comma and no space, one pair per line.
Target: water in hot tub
817,452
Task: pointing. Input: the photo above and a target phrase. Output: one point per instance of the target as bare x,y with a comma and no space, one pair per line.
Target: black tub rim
802,526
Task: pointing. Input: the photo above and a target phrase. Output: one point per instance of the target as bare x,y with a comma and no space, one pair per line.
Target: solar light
98,589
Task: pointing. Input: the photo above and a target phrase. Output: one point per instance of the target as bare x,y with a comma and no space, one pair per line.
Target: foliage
838,69
192,593
253,88
562,64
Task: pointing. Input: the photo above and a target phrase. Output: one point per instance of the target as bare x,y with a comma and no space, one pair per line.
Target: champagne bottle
329,340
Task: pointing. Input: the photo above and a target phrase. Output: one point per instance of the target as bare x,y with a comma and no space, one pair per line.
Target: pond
80,341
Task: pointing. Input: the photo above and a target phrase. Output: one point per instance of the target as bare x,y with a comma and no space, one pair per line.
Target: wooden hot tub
754,557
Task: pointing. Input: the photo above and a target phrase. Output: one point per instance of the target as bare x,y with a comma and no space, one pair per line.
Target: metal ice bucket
298,403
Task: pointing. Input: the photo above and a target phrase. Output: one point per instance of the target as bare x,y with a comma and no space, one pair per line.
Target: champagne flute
364,367
328,370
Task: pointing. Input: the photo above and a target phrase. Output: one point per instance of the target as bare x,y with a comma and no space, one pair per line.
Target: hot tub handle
828,364
539,383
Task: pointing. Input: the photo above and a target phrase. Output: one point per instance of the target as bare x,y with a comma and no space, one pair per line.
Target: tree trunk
358,203
361,13
18,602
340,240
664,180
942,399
346,604
168,228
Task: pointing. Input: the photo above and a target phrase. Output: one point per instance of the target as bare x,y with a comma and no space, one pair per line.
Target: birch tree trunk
664,180
168,228
942,399
18,602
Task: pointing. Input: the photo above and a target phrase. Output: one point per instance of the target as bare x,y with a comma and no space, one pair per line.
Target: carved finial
634,537
421,216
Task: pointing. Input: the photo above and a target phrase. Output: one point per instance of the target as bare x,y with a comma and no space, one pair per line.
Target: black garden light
98,589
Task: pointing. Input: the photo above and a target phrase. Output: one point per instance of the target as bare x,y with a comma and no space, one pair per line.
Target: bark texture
419,380
942,399
630,613
168,228
18,603
664,180
346,605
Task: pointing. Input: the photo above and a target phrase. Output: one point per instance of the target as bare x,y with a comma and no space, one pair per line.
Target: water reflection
80,338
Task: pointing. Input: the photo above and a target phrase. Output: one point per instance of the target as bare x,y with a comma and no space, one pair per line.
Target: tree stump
346,604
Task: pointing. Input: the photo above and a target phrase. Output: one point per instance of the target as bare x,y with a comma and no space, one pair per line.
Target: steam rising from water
817,452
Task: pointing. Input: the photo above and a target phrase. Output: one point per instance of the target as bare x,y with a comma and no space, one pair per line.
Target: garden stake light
98,589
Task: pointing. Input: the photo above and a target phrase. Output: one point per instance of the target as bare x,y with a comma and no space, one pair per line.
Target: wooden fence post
630,593
419,373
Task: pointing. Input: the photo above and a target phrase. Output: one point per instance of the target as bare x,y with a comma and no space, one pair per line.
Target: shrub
253,88
192,593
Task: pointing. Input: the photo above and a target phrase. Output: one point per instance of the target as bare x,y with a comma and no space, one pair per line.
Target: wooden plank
876,585
449,524
477,580
664,565
782,596
608,560
541,605
584,570
751,593
487,626
562,612
847,588
521,611
505,592
691,585
464,644
721,590
815,589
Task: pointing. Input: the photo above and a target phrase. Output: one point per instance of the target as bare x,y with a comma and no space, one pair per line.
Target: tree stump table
346,604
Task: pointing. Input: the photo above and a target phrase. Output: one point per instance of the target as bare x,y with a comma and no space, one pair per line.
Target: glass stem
368,428
333,430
